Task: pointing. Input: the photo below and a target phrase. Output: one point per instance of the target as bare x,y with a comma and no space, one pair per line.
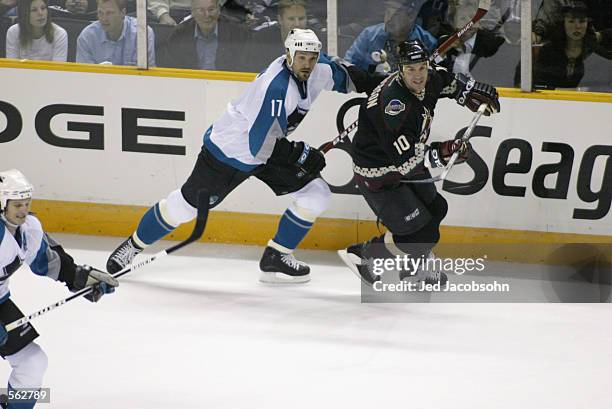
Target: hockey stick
329,145
197,232
466,136
436,56
483,8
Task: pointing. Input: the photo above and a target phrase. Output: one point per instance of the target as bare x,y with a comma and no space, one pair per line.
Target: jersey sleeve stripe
269,125
40,264
339,76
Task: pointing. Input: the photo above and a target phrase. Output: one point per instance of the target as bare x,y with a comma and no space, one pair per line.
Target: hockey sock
291,230
153,226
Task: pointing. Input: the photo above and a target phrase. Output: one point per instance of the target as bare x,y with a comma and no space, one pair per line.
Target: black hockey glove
309,160
100,281
472,94
487,43
439,153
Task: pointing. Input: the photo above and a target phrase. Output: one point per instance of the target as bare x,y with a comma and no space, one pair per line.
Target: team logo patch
212,200
395,107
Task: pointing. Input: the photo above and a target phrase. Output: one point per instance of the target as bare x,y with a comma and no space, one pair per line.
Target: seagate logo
394,107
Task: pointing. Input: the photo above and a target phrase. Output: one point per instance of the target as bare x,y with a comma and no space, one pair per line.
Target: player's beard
304,75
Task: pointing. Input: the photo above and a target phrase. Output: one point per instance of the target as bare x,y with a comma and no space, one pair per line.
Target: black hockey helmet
411,52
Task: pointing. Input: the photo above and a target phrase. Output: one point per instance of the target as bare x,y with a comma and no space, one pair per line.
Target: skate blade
346,257
281,278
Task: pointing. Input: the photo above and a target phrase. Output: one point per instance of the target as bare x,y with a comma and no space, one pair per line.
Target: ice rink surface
197,330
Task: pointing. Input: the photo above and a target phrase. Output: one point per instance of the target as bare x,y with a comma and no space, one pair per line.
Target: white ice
197,330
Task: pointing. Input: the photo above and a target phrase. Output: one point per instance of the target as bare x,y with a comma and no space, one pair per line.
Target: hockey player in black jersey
390,146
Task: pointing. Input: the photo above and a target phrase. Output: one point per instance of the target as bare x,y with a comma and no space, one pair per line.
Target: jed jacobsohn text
406,263
411,286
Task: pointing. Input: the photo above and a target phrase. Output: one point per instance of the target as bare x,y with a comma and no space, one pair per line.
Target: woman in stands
35,36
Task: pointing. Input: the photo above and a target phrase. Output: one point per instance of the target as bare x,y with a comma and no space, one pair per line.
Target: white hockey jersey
31,245
271,108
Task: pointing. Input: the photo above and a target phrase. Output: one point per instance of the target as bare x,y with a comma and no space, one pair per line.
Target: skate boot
357,259
277,267
122,256
428,275
435,277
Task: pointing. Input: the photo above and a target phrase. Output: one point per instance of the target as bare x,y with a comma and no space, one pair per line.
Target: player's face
575,27
292,17
303,64
206,14
110,17
17,210
38,14
415,76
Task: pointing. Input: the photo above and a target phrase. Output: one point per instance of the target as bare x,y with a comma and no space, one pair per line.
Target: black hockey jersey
394,125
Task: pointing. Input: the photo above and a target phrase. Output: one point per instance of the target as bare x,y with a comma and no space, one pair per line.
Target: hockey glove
439,153
487,43
472,94
100,281
308,159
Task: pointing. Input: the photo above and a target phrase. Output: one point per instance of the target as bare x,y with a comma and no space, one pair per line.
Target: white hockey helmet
300,39
13,186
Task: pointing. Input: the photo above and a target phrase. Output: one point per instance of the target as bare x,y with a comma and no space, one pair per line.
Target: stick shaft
466,136
197,232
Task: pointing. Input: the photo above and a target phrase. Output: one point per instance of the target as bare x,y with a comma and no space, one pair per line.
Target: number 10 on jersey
401,144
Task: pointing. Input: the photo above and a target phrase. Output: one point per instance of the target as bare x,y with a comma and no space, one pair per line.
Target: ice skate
354,258
279,268
122,256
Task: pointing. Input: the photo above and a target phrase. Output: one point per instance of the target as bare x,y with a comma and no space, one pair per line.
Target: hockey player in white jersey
249,139
22,240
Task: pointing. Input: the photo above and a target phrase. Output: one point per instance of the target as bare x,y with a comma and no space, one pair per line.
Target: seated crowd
240,35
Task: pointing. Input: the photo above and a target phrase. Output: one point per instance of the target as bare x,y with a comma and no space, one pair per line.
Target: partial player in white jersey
249,139
22,240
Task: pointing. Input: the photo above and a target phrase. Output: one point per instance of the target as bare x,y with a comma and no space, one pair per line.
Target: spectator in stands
268,40
78,9
35,36
399,25
172,12
432,17
207,40
6,5
551,14
560,62
112,39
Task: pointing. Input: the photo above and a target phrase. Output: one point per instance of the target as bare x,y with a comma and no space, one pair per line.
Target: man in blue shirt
112,39
399,26
206,40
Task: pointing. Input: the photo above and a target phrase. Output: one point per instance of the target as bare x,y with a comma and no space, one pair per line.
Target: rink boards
100,147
